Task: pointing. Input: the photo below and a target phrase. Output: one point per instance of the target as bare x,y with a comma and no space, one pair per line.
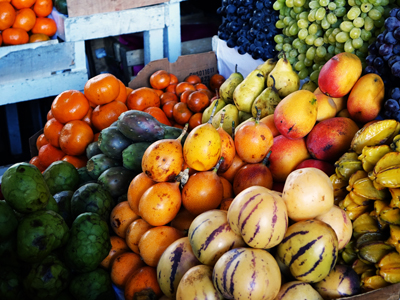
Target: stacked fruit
26,21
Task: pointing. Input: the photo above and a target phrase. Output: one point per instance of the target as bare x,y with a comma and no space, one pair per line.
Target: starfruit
388,160
389,177
389,267
390,215
369,237
371,281
363,224
360,200
349,254
377,133
353,209
347,164
361,267
339,186
378,207
394,239
395,145
371,154
363,187
374,251
395,193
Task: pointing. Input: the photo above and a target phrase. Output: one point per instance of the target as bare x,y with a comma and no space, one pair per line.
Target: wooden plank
89,7
153,41
172,31
114,23
8,49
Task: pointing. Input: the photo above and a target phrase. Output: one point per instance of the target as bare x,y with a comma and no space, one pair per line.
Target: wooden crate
89,7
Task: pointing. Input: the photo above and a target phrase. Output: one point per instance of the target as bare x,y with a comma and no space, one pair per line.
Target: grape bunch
249,25
391,108
313,31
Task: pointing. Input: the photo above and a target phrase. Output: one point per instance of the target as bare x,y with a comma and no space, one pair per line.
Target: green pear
286,80
231,115
248,90
228,87
243,116
207,112
267,66
309,86
266,101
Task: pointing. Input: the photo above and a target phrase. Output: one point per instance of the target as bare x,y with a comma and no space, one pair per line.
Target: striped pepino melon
309,249
298,290
211,236
259,215
173,264
247,273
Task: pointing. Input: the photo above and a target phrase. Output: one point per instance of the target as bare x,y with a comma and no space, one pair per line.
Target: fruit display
24,22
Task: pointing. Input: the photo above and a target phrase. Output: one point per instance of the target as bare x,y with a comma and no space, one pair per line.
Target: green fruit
112,142
89,243
116,180
52,205
63,200
133,154
10,283
8,220
24,188
61,6
61,176
47,279
94,285
39,234
92,197
92,149
99,163
84,176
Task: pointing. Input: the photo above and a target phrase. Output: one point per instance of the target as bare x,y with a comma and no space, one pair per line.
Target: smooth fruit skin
366,98
339,74
326,167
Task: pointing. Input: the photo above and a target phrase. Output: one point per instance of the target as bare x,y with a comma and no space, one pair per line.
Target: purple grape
398,15
372,49
396,33
389,38
395,94
379,63
370,69
394,11
393,59
392,23
396,49
396,69
380,38
370,59
391,105
385,49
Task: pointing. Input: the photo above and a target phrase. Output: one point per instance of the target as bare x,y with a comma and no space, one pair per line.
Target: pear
248,90
266,101
231,115
309,86
286,80
228,87
243,116
207,112
267,66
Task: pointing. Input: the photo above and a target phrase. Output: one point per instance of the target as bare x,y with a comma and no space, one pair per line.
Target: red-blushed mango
366,98
286,154
329,139
296,114
327,167
338,76
340,102
269,121
326,107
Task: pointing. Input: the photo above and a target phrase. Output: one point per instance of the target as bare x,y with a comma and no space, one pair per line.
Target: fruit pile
26,21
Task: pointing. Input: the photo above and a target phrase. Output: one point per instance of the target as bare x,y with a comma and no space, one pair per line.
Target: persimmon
168,108
75,136
159,114
96,137
237,163
195,120
198,101
88,117
69,105
160,79
41,140
120,218
49,115
25,19
171,88
209,94
181,113
1,39
43,8
182,220
15,36
46,26
142,98
122,96
49,154
228,189
19,4
139,184
104,115
38,37
168,96
155,240
128,91
216,81
185,95
118,246
183,86
174,79
7,15
193,79
77,161
52,131
123,266
134,232
102,89
159,92
143,279
200,86
36,162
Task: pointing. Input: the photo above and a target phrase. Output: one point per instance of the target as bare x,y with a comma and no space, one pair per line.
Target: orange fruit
25,19
123,266
46,26
52,130
142,98
7,15
121,216
1,39
102,89
104,115
69,105
88,117
142,279
43,8
41,140
171,88
174,79
15,36
122,92
38,37
49,115
134,232
160,79
159,114
75,136
49,154
184,86
36,162
139,184
77,161
118,246
193,79
19,4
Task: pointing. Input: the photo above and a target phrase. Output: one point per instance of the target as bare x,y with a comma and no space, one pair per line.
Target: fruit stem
273,85
265,161
184,130
219,163
182,177
222,118
258,115
213,112
236,68
233,130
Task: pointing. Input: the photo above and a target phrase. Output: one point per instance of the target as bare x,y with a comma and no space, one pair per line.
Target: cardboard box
391,292
89,7
203,64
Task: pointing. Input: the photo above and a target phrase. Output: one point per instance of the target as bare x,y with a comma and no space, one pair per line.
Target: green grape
314,76
340,3
346,26
332,6
321,51
299,66
279,24
310,39
293,29
313,4
302,49
297,43
335,31
355,33
298,10
331,49
278,38
311,15
303,15
385,2
351,2
332,19
339,45
298,3
323,2
287,20
302,23
292,22
358,22
277,5
320,32
288,40
310,54
319,42
287,47
325,40
363,15
358,2
337,24
292,60
308,62
357,43
303,33
340,11
348,46
285,31
292,14
312,29
368,24
366,7
303,74
329,31
374,14
328,56
314,67
380,8
301,56
365,35
379,23
337,50
278,47
354,12
282,1
325,24
293,53
331,39
289,3
281,17
320,13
